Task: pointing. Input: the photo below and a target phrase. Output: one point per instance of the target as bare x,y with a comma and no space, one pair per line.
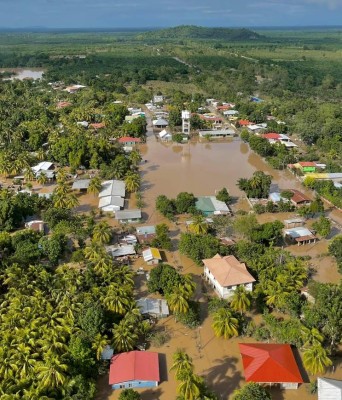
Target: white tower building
186,122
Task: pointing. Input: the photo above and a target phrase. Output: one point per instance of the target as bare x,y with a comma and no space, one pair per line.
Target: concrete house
129,141
225,274
209,205
272,364
134,369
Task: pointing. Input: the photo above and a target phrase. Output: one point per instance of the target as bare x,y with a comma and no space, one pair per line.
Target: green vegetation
199,32
252,391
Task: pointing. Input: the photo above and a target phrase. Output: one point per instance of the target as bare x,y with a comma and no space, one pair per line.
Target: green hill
200,32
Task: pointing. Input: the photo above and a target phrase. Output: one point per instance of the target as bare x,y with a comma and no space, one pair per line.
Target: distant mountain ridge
200,32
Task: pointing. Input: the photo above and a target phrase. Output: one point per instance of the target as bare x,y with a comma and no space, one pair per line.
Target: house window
130,385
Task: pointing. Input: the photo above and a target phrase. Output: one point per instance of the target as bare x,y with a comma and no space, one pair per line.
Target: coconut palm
29,174
40,154
182,364
102,233
52,372
99,343
198,225
240,299
94,252
225,324
94,185
311,336
5,167
42,178
132,181
188,285
190,387
116,298
315,359
124,336
135,157
178,300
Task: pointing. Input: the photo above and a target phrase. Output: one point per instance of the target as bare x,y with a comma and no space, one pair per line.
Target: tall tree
225,324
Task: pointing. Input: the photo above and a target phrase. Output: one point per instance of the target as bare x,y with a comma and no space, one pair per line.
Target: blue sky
163,13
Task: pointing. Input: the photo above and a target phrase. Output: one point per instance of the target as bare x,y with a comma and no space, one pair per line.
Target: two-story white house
225,274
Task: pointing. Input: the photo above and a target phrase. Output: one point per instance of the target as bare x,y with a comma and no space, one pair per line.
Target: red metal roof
269,363
126,139
307,164
299,197
244,122
273,135
97,125
134,365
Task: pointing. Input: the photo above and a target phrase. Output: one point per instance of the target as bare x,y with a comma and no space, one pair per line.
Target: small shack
126,216
156,308
299,235
81,184
146,233
152,256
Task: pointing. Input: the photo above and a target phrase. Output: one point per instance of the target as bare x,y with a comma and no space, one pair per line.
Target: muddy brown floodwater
201,168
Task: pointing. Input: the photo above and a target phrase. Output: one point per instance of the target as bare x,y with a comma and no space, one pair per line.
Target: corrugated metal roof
134,366
128,214
269,363
81,184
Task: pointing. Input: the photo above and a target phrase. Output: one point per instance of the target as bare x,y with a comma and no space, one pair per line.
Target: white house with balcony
225,274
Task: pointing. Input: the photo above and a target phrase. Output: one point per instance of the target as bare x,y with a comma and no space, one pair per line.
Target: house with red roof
134,369
244,122
299,199
97,125
129,140
270,364
63,104
225,274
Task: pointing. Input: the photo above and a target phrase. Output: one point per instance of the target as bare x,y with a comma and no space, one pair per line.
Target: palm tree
311,336
190,387
178,300
99,343
132,181
116,299
40,154
42,178
94,185
135,157
198,225
315,359
225,324
182,364
240,300
102,233
29,174
94,252
188,285
52,372
124,336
